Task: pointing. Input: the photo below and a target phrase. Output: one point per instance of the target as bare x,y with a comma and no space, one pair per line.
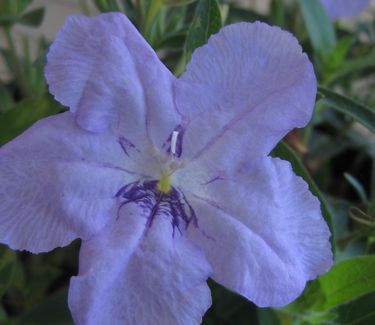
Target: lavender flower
168,181
344,8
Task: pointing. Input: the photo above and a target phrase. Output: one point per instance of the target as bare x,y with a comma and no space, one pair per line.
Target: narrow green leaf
277,13
206,21
175,20
357,187
350,67
23,115
283,151
33,18
356,110
6,99
173,41
177,2
364,63
153,21
128,5
41,61
319,26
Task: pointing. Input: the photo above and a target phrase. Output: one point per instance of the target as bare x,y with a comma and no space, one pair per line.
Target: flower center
159,198
164,184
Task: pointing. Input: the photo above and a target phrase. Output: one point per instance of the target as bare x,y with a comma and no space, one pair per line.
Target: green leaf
11,11
356,110
175,20
358,312
352,66
3,316
206,21
333,62
268,316
33,18
54,310
346,281
13,7
7,268
107,5
23,115
6,99
7,20
229,307
173,41
277,13
284,152
319,26
177,2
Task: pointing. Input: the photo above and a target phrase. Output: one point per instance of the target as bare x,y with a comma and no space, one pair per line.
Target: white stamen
174,142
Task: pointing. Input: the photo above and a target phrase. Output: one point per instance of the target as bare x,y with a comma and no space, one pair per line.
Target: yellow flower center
164,184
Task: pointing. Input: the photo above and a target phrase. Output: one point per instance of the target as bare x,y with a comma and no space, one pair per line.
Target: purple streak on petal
193,217
153,212
167,144
217,178
126,145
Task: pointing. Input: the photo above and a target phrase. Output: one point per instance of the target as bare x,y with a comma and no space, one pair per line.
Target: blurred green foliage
335,153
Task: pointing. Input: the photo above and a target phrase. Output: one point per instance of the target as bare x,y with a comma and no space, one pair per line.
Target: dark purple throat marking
156,203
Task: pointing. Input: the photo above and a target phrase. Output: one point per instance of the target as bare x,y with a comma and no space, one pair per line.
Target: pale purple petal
106,73
57,184
261,230
133,274
243,91
344,8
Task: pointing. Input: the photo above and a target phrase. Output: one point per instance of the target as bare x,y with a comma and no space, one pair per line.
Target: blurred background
335,153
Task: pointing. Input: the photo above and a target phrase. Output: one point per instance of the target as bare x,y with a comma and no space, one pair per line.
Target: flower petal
57,184
130,274
261,230
105,72
247,88
344,8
